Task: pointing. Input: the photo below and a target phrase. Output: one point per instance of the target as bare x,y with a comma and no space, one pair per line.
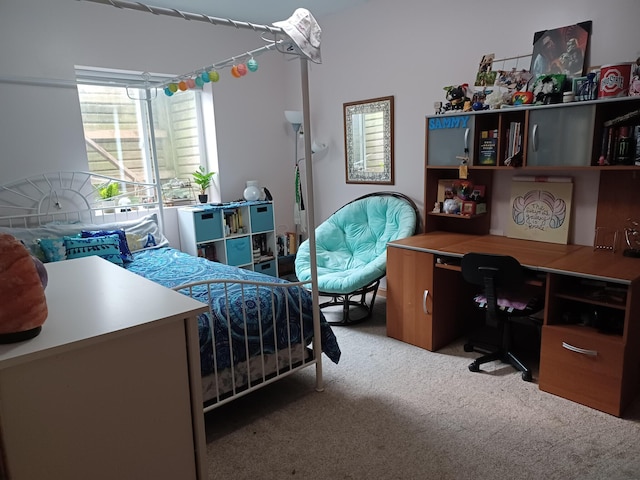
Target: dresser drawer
582,365
261,218
239,251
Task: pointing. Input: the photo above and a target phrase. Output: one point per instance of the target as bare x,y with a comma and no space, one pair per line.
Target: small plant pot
203,198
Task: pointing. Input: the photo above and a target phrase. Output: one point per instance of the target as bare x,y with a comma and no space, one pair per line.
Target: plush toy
457,96
23,305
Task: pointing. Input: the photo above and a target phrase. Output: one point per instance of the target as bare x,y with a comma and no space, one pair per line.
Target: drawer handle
424,302
534,137
591,353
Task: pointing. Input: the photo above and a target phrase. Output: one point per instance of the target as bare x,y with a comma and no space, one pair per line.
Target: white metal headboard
72,197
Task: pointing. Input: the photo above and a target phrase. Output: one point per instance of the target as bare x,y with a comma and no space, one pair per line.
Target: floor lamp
294,117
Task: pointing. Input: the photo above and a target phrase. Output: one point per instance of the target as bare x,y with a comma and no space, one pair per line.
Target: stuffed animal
457,96
23,305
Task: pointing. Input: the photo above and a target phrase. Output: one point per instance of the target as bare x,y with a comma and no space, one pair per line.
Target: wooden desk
581,363
111,386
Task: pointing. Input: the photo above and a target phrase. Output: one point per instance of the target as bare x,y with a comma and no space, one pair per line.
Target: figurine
457,96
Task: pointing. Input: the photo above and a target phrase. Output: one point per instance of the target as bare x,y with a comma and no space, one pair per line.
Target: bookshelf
240,234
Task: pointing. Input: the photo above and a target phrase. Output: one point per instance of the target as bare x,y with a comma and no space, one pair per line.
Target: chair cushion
351,245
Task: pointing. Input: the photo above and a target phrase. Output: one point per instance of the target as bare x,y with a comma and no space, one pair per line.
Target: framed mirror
368,141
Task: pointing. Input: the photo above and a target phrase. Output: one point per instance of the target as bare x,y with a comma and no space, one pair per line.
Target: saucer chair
351,251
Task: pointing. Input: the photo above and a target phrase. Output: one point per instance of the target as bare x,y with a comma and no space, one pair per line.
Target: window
133,133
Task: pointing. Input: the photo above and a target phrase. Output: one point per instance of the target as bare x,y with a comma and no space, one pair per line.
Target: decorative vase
252,192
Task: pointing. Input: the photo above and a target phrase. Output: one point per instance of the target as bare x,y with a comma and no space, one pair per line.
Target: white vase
252,192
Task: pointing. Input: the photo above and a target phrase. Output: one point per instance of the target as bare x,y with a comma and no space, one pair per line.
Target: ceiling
262,12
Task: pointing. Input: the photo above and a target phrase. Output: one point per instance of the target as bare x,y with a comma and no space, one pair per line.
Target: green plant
109,190
202,179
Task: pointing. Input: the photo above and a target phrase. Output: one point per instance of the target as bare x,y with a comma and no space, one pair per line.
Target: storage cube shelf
240,234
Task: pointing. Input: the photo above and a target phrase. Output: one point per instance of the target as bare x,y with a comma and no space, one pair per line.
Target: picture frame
368,141
468,207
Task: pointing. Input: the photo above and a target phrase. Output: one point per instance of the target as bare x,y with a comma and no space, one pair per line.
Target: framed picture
368,141
468,208
561,50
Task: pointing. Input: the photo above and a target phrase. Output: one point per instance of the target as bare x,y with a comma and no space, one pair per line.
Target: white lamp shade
294,117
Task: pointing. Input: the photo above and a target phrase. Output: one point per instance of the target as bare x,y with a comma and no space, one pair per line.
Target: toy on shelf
457,97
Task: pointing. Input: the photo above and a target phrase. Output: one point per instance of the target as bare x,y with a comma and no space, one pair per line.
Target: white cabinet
111,386
238,234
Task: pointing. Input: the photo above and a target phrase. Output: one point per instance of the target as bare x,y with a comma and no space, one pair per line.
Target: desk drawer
593,377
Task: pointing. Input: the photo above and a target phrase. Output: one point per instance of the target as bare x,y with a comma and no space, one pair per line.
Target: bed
258,329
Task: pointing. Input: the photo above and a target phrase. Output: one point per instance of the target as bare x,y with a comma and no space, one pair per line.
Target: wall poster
540,210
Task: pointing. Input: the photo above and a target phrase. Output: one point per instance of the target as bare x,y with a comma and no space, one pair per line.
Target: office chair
505,298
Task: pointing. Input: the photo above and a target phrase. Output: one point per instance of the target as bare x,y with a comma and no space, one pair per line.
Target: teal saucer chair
351,251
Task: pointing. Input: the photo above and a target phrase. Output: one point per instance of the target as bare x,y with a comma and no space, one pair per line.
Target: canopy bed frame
65,197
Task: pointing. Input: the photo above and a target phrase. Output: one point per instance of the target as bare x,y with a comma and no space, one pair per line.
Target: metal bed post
317,347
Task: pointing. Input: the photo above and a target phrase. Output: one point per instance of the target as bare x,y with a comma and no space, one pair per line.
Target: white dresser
111,386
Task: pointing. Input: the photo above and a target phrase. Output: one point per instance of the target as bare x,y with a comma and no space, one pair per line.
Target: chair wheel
474,367
468,347
526,376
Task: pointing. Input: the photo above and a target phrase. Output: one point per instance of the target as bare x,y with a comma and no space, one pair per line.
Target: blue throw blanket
170,267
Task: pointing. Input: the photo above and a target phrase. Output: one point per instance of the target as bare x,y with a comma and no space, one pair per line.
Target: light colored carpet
394,411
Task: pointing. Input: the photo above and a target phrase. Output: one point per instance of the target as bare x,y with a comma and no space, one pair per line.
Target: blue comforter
170,267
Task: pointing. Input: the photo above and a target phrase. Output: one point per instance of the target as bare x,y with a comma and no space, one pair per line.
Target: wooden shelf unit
593,362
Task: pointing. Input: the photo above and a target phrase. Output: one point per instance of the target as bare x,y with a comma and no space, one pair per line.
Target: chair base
347,301
504,356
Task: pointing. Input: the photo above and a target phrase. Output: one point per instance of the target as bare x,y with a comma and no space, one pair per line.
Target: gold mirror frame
368,141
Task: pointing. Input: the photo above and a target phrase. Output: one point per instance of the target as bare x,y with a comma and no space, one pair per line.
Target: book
488,148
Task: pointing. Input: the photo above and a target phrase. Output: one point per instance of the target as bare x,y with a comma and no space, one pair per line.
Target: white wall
41,127
413,48
407,48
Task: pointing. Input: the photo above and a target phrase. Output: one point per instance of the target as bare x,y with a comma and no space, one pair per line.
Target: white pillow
141,227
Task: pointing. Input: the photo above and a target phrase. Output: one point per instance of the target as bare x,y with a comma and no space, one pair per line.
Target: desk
111,386
581,363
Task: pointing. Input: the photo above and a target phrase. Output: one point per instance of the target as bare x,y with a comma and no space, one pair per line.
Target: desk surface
578,260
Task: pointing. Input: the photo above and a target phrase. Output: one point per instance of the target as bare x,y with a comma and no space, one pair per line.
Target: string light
198,78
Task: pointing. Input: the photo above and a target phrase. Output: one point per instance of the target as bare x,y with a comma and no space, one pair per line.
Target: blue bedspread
170,267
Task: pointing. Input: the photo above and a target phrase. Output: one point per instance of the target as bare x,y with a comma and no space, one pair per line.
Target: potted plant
203,180
107,192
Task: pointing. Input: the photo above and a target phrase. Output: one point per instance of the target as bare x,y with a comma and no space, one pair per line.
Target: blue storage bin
238,251
268,268
261,217
208,225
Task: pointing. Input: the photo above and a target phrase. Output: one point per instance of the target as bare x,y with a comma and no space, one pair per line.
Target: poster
540,210
561,50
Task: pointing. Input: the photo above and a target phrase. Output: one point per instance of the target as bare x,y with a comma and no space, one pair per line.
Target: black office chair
505,298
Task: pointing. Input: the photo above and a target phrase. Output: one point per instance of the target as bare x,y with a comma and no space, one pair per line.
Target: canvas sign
540,211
